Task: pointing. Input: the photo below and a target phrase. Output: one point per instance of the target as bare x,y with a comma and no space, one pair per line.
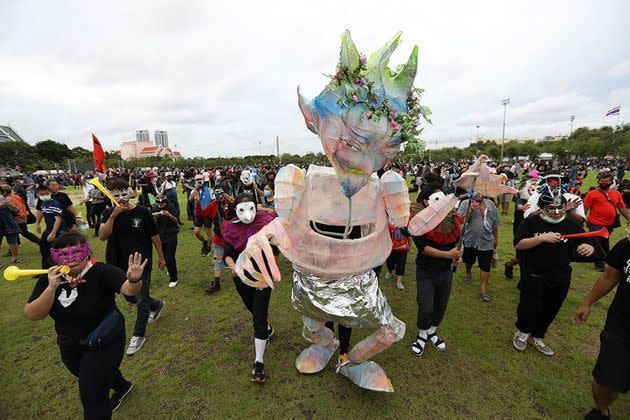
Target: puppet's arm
396,198
289,187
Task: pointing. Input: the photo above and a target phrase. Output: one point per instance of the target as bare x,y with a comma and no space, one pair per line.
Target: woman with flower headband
90,329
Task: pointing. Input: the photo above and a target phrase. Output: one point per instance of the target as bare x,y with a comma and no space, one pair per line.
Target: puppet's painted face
359,115
246,177
246,212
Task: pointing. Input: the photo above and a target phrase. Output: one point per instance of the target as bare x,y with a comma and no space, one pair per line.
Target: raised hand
135,267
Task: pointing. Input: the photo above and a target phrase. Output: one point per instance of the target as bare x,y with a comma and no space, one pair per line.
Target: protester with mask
169,189
69,212
437,249
611,374
168,228
52,213
225,211
266,199
574,208
480,239
602,205
248,186
205,210
12,214
236,232
527,188
82,303
545,271
128,228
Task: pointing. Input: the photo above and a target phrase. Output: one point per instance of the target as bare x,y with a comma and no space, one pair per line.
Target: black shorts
202,222
612,368
484,258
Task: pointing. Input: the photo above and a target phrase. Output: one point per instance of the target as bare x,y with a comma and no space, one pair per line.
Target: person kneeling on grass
545,271
236,232
611,374
90,329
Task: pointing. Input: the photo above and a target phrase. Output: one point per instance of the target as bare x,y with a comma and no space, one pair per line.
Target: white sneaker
172,284
135,344
520,340
400,286
541,346
388,275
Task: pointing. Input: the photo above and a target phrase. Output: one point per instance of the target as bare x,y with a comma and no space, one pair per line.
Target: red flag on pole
99,155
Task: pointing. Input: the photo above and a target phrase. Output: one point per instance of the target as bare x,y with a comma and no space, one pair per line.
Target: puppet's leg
366,373
315,358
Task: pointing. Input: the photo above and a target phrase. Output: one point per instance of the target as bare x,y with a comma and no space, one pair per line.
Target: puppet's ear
310,115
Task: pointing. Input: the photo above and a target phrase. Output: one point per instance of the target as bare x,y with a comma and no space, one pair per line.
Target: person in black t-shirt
79,303
69,212
168,228
545,271
128,228
611,375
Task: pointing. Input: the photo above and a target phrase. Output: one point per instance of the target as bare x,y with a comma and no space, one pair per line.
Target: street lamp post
571,118
504,102
260,147
477,132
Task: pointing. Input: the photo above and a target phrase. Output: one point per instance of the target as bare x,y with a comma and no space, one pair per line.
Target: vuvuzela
97,183
14,272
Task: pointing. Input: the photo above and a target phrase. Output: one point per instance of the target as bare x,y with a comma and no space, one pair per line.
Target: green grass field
197,357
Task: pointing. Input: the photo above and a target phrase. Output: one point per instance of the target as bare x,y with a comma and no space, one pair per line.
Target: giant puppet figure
332,221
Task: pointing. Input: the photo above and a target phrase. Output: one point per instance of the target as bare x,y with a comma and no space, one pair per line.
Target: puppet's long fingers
271,259
257,253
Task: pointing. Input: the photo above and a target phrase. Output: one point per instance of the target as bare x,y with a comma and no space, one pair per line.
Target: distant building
142,149
161,138
143,135
8,133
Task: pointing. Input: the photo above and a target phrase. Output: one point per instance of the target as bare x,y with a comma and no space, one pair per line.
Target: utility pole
504,102
571,119
477,132
278,148
260,147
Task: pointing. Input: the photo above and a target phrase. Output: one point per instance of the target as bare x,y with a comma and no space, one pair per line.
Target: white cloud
221,77
620,70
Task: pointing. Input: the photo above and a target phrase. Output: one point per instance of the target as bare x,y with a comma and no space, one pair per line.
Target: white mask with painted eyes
246,212
246,177
436,196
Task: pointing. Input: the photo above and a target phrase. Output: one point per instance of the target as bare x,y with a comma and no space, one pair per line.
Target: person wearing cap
205,210
574,209
169,190
602,205
148,190
545,259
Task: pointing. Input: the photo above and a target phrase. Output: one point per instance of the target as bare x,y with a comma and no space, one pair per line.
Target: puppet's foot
368,375
316,357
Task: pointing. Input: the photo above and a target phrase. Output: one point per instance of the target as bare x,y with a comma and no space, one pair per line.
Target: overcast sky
220,78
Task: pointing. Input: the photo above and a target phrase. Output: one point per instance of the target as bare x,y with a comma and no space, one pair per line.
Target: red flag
99,155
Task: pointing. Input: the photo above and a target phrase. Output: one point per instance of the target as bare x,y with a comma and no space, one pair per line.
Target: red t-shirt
399,241
602,212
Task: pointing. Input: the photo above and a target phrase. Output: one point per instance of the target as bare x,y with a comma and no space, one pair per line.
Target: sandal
417,348
437,342
17,261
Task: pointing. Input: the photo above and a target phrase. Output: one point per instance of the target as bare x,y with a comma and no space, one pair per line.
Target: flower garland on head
352,88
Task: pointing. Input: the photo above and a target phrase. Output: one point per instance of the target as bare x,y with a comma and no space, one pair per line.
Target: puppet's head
365,112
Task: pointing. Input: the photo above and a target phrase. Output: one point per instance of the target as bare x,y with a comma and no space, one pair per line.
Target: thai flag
613,111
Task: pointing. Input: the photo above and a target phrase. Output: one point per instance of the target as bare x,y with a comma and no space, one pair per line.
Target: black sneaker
258,372
204,249
595,414
117,398
509,271
214,287
154,315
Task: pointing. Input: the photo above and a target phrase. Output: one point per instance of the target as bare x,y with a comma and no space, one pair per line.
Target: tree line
583,143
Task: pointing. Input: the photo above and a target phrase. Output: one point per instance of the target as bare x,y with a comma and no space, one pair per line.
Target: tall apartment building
143,135
161,138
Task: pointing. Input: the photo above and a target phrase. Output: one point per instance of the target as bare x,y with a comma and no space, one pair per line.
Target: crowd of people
226,206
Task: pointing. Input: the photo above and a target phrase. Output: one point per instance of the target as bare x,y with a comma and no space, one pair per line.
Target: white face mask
246,212
246,177
551,220
45,197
